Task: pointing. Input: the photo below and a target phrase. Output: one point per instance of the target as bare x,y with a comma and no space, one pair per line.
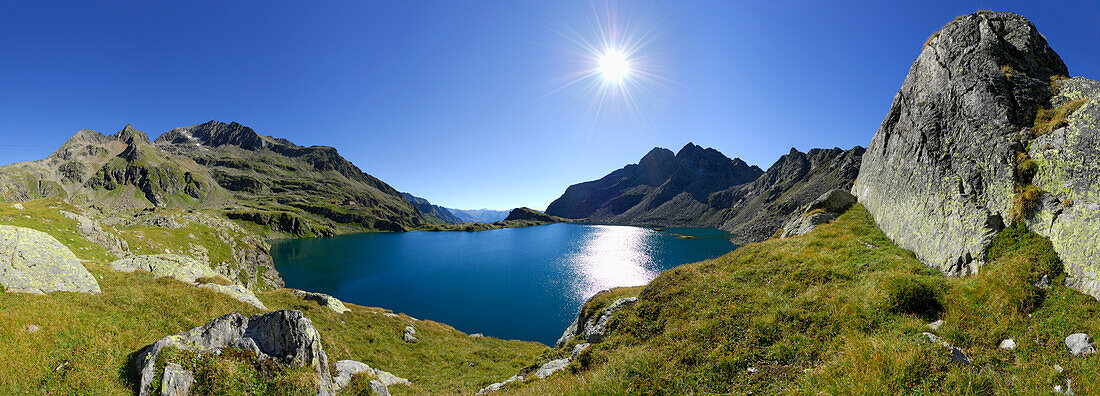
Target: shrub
1025,201
909,294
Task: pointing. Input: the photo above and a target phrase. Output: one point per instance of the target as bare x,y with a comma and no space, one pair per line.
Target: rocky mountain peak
129,135
215,134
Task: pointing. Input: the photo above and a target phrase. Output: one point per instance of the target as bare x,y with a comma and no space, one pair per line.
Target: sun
613,65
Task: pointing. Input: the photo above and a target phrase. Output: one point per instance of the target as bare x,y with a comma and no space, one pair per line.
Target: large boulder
822,210
32,261
1068,171
324,300
175,266
286,336
938,177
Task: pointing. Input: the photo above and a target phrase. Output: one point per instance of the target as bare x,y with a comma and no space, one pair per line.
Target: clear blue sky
459,101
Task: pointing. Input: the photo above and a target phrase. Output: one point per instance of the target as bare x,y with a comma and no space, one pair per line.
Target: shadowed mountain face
659,187
699,187
228,168
434,213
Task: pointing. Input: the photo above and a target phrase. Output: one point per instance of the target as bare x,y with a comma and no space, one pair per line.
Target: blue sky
462,102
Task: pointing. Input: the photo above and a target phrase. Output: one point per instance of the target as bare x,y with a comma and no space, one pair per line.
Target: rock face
32,261
703,188
593,327
938,177
286,335
1069,173
824,209
176,381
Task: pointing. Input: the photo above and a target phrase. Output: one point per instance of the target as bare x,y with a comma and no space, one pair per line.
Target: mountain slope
434,213
283,188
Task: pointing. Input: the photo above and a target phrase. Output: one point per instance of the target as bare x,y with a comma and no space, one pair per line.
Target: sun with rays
617,66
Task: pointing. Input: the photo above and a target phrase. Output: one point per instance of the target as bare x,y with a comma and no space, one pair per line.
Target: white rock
936,325
1080,344
1008,343
18,206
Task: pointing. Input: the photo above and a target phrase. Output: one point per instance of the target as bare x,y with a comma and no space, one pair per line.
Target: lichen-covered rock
91,230
32,261
177,381
324,300
938,177
593,327
409,335
285,335
238,292
822,210
175,266
346,369
498,385
1069,172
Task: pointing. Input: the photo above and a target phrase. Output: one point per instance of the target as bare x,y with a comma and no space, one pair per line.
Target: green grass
1047,120
840,311
39,215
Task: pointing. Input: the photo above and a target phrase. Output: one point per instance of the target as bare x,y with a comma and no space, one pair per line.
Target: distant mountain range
480,215
701,187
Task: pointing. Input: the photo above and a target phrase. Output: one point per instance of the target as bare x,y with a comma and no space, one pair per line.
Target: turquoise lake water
516,283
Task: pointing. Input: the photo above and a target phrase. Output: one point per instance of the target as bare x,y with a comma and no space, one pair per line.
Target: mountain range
699,187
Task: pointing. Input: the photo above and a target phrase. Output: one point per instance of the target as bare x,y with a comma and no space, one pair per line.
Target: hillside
227,169
434,213
479,215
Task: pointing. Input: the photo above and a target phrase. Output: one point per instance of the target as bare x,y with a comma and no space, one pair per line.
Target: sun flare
614,66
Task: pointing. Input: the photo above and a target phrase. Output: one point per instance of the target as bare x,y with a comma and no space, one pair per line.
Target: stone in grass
286,336
379,388
1008,343
1080,344
936,325
18,206
346,369
410,334
324,300
32,261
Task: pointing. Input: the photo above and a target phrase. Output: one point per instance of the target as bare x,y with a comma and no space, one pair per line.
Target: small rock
177,381
18,206
958,356
1080,344
1068,390
936,325
1008,343
495,387
931,337
389,315
410,334
238,292
751,369
477,335
1043,283
1058,369
378,388
345,369
32,329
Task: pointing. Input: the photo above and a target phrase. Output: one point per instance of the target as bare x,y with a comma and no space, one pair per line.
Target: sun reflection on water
612,256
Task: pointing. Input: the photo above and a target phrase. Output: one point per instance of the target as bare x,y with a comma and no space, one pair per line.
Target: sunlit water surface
518,283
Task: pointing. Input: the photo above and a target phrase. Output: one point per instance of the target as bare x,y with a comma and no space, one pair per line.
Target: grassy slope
840,311
92,336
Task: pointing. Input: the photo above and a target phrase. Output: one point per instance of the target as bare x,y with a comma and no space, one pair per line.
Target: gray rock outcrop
822,210
594,326
1080,344
182,268
286,336
238,292
938,176
32,261
346,369
324,300
409,335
